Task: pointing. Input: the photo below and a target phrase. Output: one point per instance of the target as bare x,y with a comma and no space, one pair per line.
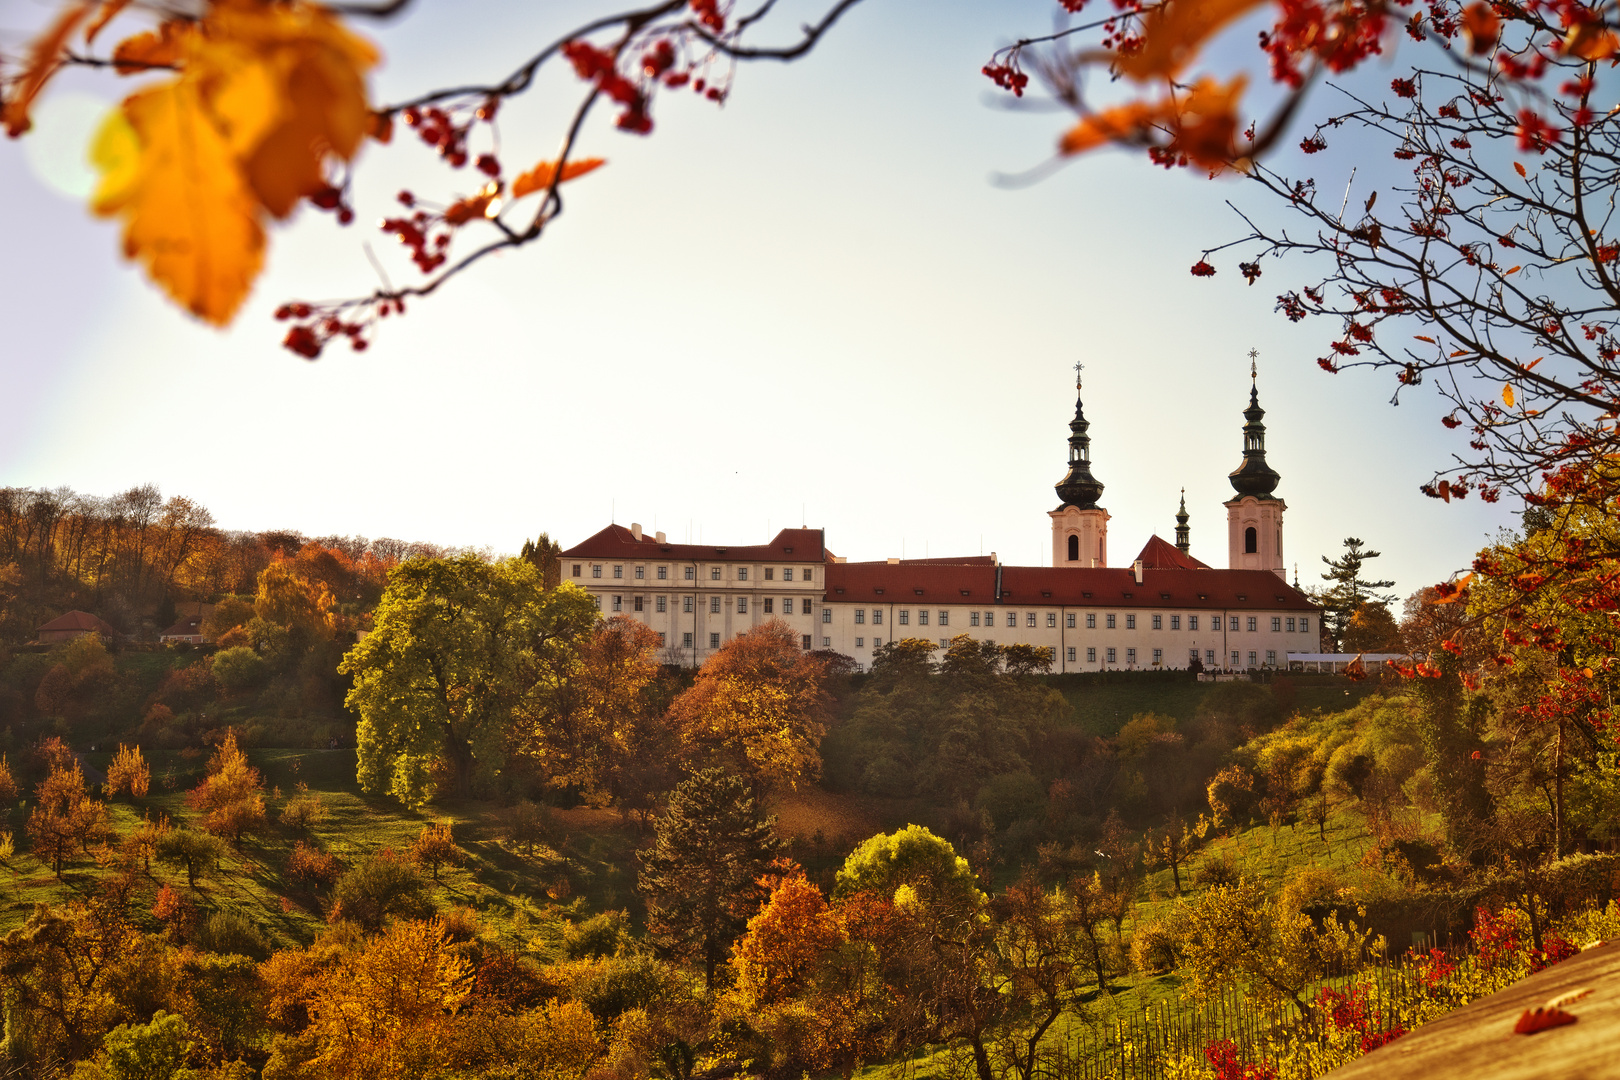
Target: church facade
1164,610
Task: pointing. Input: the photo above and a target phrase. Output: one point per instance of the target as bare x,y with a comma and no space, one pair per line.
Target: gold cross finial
1078,368
1254,371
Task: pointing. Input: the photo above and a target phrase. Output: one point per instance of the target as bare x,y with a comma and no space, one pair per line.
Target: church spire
1079,488
1254,476
1183,533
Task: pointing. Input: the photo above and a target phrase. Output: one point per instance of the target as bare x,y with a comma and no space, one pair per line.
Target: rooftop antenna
613,511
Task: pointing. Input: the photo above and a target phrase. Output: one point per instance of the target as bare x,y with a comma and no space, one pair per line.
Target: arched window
1074,548
1251,542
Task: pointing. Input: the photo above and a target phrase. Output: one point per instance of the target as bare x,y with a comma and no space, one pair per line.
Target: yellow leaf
1173,34
539,178
44,58
188,217
1507,395
1519,167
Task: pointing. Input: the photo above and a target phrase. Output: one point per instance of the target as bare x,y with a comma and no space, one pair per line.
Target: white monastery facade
1165,610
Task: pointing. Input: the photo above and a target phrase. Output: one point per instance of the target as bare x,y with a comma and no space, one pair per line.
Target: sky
813,306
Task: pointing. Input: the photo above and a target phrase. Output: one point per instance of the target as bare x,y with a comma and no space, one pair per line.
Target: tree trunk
981,1058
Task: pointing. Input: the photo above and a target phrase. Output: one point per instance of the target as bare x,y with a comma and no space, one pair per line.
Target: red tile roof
618,542
1159,554
77,620
190,626
1035,586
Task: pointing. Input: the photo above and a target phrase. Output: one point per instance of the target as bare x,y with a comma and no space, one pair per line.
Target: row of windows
662,572
716,603
1299,624
1112,655
714,641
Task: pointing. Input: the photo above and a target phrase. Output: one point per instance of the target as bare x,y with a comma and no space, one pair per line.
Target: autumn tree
128,773
58,971
1349,593
63,813
435,847
197,853
545,555
231,796
757,707
451,658
701,875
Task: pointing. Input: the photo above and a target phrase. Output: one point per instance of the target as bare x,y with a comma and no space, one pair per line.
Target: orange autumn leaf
1173,34
1540,1019
1519,167
1481,26
1507,395
1591,41
1203,124
44,58
1117,124
1425,337
188,216
472,207
540,177
150,49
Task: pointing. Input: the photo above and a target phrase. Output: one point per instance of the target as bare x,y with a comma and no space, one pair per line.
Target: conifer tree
1349,590
701,876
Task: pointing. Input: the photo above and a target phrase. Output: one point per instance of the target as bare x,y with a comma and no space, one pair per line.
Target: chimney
660,537
1136,568
635,530
894,562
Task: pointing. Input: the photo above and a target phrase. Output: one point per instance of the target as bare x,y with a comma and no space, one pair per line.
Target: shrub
435,847
606,934
1216,870
232,933
304,812
382,887
197,852
1154,948
622,984
1010,797
128,773
313,866
239,668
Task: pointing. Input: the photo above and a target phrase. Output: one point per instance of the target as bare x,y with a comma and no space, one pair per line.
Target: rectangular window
1091,654
618,603
596,570
1110,620
1091,620
742,605
826,643
787,606
767,602
1130,622
714,641
787,573
877,614
1158,657
804,605
1012,619
905,617
973,618
1111,655
1254,660
1209,657
618,571
661,639
1051,620
1233,625
806,640
1071,654
860,616
742,573
1290,624
1029,618
1254,624
1175,622
1271,658
944,618
1192,656
1304,625
641,573
714,573
686,641
691,573
576,569
714,605
877,642
770,573
662,604
635,604
1068,621
597,600
1130,656
686,604
1192,622
1276,624
1237,661
663,573
922,617
806,575
860,643
826,614
1158,622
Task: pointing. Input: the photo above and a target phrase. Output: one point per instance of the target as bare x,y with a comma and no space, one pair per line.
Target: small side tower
1183,533
1254,519
1079,525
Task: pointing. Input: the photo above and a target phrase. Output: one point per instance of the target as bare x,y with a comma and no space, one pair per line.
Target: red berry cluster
318,327
439,129
598,65
1202,269
1535,133
1406,88
1313,144
709,14
420,233
1007,76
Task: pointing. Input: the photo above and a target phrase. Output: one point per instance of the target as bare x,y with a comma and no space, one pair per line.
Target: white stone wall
1265,517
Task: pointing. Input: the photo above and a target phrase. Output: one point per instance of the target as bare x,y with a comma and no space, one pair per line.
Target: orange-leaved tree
758,707
231,796
129,772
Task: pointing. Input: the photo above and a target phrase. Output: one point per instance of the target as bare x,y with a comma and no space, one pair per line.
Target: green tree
1348,590
383,887
544,554
701,876
196,852
914,857
451,658
154,1051
239,668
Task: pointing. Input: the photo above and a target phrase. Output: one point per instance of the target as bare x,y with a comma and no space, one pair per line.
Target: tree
1372,629
63,812
128,772
57,971
154,1051
231,796
1173,847
286,599
545,554
1349,591
701,876
757,707
383,887
198,853
434,848
451,658
912,857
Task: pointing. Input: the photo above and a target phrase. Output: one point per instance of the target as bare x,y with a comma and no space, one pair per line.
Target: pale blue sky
810,305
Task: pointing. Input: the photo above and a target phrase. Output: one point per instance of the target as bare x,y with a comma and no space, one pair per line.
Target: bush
231,932
1216,870
1154,949
382,887
304,812
606,934
240,668
622,984
312,866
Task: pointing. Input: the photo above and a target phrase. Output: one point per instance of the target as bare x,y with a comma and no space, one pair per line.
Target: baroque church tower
1255,517
1079,525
